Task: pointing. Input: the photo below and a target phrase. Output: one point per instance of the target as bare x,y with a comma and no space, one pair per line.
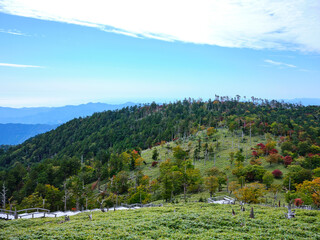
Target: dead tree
291,213
66,196
4,196
101,204
251,213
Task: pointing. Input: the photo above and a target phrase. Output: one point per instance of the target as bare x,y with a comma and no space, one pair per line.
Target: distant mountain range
304,101
16,133
54,115
19,124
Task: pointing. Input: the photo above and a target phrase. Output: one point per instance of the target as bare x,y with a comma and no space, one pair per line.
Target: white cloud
280,64
13,32
275,24
18,65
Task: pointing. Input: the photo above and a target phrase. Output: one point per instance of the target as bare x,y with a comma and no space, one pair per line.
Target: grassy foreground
180,221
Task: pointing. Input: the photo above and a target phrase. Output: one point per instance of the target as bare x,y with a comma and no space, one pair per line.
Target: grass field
180,221
222,154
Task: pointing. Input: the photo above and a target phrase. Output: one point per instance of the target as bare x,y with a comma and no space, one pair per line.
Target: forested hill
145,126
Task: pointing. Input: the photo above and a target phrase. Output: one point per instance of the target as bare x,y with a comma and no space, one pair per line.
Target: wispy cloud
275,24
18,65
13,32
280,64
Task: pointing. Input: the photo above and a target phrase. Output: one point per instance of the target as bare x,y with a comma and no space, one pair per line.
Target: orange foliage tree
311,189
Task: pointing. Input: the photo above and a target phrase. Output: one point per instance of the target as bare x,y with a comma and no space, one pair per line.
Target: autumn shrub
274,158
287,160
298,202
277,173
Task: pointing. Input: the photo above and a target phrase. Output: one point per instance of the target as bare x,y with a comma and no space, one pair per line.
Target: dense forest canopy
144,126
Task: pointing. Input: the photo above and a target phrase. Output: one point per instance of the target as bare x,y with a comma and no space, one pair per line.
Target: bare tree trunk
66,196
3,195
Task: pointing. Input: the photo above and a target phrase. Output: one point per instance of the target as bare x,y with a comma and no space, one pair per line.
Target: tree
250,193
298,202
273,158
275,188
180,155
155,154
234,185
316,172
287,160
3,196
268,179
139,195
296,176
312,161
222,177
120,182
311,189
166,179
77,189
211,131
250,172
33,201
66,195
231,155
239,158
277,173
51,194
212,184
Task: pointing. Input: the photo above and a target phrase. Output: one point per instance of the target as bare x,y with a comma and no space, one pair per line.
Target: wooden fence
24,212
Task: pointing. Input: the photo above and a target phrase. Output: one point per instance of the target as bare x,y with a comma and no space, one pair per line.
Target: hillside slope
142,127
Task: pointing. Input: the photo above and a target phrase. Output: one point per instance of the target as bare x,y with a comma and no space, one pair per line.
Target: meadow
173,221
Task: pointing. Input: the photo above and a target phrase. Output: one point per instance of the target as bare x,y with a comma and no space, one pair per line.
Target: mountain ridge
54,115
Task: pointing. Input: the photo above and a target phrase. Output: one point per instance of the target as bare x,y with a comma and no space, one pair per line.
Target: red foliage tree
287,160
273,151
154,163
277,173
298,202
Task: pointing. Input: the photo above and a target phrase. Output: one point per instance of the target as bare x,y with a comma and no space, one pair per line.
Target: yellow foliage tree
234,185
311,189
250,193
211,131
212,184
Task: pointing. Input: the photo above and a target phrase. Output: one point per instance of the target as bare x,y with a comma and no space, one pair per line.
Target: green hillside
256,151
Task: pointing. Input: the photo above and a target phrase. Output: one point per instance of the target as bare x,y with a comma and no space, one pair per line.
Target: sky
54,53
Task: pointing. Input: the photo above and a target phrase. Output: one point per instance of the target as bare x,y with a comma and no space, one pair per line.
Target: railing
140,205
15,215
36,209
226,199
9,214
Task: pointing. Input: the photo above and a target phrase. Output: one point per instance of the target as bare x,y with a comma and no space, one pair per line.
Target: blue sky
50,57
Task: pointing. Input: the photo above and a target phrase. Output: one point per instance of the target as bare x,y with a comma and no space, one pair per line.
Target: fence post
15,213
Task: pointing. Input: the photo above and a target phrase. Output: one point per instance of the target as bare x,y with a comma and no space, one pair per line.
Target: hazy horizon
159,101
